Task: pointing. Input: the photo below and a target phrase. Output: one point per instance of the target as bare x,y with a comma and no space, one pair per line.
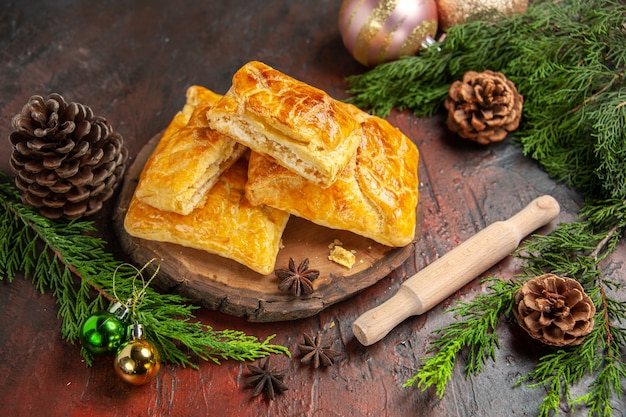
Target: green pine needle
568,60
576,250
475,334
573,250
54,253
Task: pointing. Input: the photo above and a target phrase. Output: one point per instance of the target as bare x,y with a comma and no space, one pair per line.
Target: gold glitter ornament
377,31
137,361
453,12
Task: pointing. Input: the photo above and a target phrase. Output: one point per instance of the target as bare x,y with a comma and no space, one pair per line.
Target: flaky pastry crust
375,196
300,126
225,224
188,159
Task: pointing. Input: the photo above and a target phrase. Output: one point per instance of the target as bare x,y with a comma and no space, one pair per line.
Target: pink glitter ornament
377,31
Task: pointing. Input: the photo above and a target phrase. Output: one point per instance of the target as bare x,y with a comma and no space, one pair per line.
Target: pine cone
67,161
484,107
554,310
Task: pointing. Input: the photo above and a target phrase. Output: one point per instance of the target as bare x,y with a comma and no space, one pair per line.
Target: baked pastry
195,95
300,126
375,196
225,224
188,159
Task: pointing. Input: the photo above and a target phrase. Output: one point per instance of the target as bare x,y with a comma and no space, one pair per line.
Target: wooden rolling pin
452,271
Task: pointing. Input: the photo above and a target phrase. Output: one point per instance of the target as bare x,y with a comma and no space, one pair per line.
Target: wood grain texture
454,269
131,61
222,284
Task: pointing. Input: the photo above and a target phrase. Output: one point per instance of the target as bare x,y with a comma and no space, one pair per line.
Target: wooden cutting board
222,284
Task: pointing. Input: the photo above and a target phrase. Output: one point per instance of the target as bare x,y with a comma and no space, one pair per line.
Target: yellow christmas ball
377,31
138,361
453,12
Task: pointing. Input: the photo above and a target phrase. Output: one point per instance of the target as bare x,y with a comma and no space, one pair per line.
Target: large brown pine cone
554,310
484,107
66,161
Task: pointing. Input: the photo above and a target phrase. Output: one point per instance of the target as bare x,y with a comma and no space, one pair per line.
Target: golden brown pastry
300,126
226,224
188,159
195,96
375,196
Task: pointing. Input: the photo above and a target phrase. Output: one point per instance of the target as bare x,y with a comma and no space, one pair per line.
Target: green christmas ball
103,333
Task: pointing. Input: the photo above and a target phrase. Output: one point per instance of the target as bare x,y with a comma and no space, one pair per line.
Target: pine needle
475,334
568,60
67,259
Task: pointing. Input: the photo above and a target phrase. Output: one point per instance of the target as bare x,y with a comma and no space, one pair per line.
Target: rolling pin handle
374,324
541,211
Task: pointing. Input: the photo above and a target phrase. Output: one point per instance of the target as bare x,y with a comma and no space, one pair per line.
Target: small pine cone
67,161
484,107
554,310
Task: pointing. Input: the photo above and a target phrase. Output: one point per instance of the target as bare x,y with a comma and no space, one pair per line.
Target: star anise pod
297,279
265,378
315,353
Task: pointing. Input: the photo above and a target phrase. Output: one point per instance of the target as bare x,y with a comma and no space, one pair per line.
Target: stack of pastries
229,171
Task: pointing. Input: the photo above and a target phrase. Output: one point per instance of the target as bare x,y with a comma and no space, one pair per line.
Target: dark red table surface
132,62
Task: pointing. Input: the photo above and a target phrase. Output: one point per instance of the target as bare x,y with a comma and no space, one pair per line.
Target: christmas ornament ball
377,31
454,12
138,361
104,332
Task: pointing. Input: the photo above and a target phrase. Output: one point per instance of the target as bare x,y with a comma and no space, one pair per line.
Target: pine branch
54,253
577,250
611,370
599,356
568,60
475,333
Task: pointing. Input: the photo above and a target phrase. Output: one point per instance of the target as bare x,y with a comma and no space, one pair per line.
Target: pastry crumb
342,256
336,242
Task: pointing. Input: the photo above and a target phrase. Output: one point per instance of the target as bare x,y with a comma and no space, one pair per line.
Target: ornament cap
137,331
119,310
428,41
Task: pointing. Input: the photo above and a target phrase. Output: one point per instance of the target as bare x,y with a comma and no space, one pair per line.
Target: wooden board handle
443,277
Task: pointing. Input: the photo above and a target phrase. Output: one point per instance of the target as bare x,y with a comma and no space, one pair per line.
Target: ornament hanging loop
138,294
105,331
